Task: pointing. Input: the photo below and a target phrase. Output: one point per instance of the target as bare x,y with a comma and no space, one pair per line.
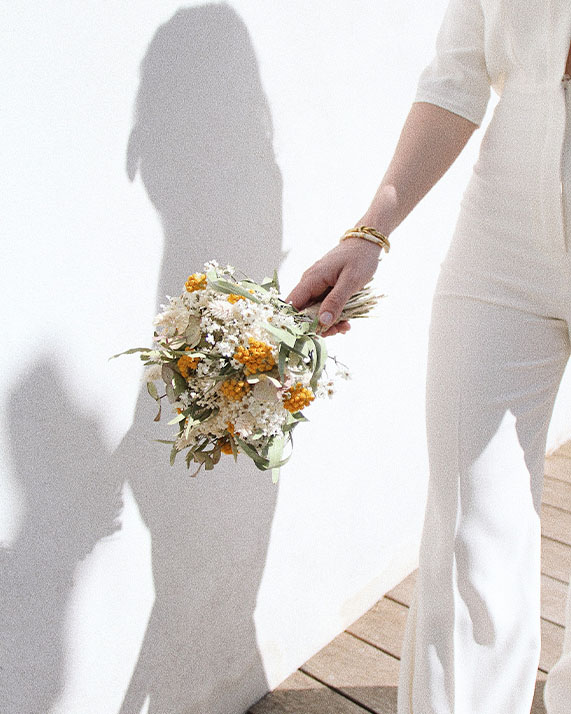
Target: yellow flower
257,357
234,389
196,281
186,363
297,397
234,298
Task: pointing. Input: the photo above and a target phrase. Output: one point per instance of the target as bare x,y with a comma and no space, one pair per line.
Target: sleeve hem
467,113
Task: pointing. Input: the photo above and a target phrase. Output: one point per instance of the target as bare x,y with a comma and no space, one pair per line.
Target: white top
488,43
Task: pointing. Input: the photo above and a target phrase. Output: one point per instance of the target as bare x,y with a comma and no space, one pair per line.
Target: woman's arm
430,140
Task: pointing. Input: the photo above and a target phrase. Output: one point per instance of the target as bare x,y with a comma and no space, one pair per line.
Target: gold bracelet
369,234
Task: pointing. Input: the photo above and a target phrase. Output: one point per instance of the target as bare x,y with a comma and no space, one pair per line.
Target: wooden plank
300,694
403,591
551,644
557,493
358,670
556,524
382,626
553,600
555,559
538,707
563,451
558,467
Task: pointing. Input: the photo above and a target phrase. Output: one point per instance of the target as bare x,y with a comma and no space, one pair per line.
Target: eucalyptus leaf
158,417
274,451
130,352
282,356
172,397
225,286
234,448
178,417
152,390
173,455
260,461
179,384
281,334
167,373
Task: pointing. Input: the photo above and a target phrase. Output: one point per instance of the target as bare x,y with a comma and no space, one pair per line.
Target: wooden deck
357,671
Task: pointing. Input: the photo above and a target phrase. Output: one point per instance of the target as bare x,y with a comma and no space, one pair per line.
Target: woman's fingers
313,284
339,328
334,302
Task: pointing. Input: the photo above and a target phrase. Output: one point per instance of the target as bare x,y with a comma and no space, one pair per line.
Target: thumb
334,302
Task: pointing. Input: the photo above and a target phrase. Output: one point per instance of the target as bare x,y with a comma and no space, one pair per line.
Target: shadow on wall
202,142
69,505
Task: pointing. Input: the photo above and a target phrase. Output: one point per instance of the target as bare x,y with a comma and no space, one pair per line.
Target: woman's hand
336,276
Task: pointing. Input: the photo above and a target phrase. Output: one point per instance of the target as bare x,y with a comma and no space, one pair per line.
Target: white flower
342,372
245,424
152,373
221,309
174,319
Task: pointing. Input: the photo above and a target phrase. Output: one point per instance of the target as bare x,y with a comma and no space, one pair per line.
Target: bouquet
238,366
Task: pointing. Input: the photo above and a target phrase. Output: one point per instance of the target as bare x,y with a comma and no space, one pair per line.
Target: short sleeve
457,78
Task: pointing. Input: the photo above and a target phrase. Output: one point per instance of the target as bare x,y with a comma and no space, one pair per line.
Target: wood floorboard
359,670
557,493
555,559
556,524
300,694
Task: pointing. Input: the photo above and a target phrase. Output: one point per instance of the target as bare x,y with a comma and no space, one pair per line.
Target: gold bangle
369,234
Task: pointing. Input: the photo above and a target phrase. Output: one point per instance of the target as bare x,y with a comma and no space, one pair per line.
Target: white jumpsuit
498,345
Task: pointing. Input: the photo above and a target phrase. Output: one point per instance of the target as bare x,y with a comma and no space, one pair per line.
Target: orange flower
196,281
297,397
255,358
234,298
234,389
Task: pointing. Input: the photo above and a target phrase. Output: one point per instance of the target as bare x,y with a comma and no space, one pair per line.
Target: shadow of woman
202,142
70,501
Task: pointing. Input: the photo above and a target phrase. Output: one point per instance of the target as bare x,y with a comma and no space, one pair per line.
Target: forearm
430,141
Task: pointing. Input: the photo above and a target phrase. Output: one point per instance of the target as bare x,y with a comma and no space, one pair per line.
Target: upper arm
456,78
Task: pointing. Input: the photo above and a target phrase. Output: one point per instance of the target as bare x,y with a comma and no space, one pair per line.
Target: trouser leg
472,639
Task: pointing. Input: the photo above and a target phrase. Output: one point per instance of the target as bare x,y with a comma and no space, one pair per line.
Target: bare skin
430,141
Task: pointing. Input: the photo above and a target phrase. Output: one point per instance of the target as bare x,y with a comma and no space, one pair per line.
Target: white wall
127,586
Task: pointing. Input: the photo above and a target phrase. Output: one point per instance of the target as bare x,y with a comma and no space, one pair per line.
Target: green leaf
173,455
211,275
167,373
158,417
282,356
275,475
298,416
224,286
234,448
320,359
275,450
178,417
260,461
152,390
179,384
164,441
130,352
281,334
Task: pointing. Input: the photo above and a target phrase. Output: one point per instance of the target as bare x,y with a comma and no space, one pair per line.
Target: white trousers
498,346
